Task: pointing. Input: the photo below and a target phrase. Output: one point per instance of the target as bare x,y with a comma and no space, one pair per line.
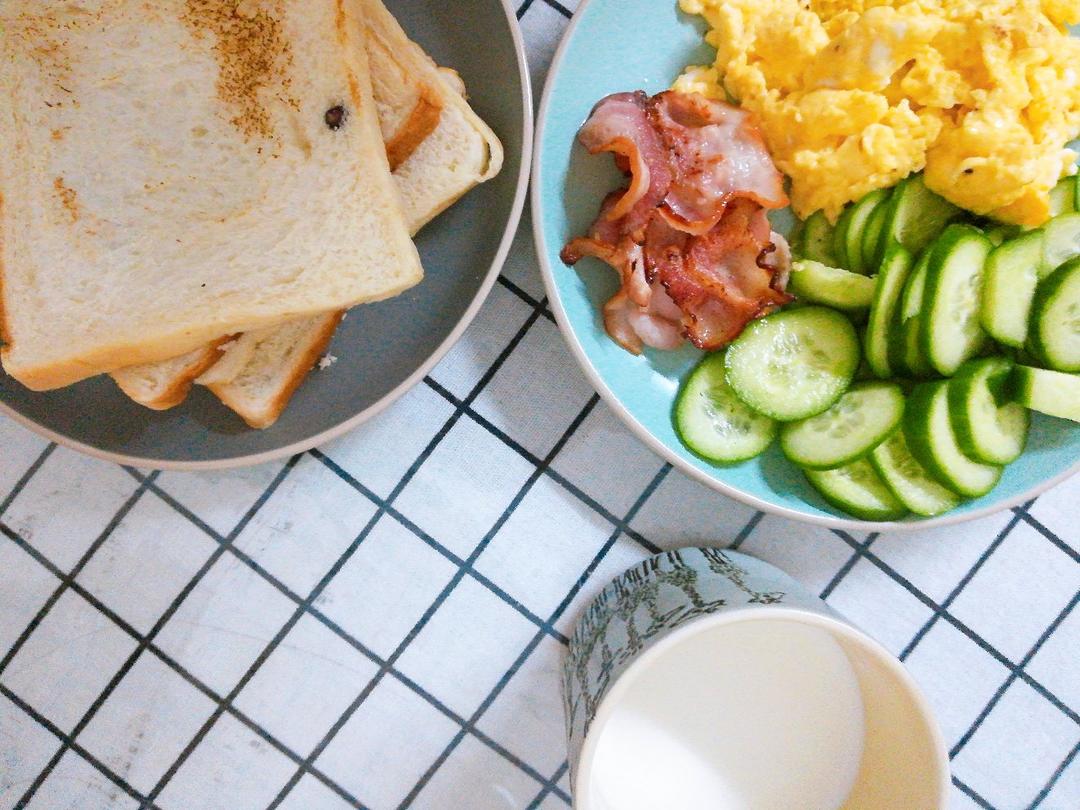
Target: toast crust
5,333
110,358
301,367
178,388
422,121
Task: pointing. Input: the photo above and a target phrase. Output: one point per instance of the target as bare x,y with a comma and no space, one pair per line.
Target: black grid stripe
336,629
25,478
548,784
170,662
66,744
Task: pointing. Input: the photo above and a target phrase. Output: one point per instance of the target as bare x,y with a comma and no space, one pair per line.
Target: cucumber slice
1061,242
914,291
831,286
873,246
713,422
1055,318
855,233
795,363
987,431
1063,197
932,440
1054,393
1009,279
858,490
914,361
905,356
917,215
890,284
840,240
847,431
908,479
951,331
815,240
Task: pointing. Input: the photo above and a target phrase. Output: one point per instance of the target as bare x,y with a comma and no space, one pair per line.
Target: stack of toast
195,191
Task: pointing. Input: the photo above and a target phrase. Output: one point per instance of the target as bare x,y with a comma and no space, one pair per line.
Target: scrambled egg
854,95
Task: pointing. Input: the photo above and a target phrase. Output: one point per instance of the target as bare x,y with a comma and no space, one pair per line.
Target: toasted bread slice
401,98
281,358
459,153
410,101
180,170
165,384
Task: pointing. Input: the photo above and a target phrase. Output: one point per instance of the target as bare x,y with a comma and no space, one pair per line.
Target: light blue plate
616,45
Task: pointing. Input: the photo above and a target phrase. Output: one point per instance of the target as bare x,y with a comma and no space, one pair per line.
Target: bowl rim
543,253
512,223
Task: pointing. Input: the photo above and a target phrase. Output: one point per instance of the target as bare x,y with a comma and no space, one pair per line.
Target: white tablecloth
379,623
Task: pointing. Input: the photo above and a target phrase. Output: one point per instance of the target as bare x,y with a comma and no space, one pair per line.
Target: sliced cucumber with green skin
713,422
857,489
913,361
873,242
908,479
894,272
1055,318
911,303
1054,393
987,429
951,330
839,238
1009,279
815,240
831,286
1061,241
855,232
905,356
1063,197
930,436
917,215
795,363
858,422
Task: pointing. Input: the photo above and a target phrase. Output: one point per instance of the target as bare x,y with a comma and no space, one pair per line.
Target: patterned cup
683,598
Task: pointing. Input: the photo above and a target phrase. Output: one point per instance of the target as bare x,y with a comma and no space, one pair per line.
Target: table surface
380,623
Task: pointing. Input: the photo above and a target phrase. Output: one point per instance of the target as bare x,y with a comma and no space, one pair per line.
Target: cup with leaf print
704,678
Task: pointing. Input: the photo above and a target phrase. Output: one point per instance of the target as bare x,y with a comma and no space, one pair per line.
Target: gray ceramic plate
382,349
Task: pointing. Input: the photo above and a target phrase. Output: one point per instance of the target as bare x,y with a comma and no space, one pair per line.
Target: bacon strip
688,235
718,154
621,124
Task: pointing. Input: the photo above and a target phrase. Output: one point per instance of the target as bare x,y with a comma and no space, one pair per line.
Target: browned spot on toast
415,129
58,134
68,198
254,57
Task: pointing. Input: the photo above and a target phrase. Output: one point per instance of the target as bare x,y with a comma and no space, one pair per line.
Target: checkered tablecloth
379,623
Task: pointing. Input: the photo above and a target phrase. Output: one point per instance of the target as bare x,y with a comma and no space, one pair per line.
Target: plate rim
642,433
517,207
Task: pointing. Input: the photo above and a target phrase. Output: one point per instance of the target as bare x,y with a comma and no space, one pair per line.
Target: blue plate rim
517,207
543,253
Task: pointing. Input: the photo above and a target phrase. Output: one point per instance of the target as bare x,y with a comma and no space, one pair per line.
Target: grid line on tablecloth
464,566
337,630
68,739
860,550
440,599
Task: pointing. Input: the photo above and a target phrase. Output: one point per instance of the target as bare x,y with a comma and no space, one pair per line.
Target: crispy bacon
621,124
688,235
718,155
